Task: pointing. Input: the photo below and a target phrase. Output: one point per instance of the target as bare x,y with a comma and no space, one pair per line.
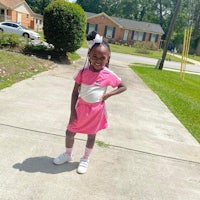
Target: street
128,59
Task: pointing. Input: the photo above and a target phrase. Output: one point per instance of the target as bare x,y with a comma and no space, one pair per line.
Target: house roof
132,24
11,3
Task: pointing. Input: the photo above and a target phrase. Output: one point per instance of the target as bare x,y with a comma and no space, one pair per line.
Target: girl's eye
101,59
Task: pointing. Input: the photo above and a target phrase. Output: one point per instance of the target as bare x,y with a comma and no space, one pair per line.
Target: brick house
20,12
125,31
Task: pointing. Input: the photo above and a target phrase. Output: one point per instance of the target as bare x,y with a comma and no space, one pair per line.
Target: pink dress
91,113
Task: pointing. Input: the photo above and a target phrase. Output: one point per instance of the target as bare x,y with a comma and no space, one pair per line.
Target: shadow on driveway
44,164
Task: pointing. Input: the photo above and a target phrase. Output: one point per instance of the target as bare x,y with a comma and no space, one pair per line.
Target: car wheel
1,30
26,35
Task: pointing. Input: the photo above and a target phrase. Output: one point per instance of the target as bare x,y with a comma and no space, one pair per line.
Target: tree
154,11
64,26
169,34
38,6
195,42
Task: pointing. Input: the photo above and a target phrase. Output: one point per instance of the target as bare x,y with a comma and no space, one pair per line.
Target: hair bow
97,39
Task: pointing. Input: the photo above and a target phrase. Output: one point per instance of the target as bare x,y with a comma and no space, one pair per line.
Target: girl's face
99,57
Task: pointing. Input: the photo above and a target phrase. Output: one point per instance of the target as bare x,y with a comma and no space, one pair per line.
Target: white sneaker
83,165
62,158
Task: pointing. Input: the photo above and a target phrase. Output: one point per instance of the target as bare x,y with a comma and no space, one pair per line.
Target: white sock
69,151
87,153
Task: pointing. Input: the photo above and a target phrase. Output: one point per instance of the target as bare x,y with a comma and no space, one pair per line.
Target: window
91,27
15,26
7,24
109,32
153,37
138,36
125,38
2,12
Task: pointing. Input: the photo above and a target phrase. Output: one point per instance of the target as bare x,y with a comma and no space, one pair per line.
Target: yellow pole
186,45
183,54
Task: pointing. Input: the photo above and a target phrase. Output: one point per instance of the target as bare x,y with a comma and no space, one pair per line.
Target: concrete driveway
151,156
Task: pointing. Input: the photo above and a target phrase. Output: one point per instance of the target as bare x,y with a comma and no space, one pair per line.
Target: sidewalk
151,156
188,59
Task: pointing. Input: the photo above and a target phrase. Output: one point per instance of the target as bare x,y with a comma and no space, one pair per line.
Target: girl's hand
105,96
121,88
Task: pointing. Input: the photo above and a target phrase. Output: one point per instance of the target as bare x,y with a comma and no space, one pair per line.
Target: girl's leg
89,145
90,141
69,142
83,165
67,155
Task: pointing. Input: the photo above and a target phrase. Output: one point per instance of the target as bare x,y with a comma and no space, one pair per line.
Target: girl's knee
70,135
91,137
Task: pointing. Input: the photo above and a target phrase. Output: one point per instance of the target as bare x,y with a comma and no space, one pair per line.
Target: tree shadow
44,164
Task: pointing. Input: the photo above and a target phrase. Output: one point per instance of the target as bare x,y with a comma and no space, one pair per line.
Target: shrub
9,40
64,26
140,48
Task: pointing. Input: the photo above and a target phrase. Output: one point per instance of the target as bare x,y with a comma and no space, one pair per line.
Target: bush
140,48
9,40
64,26
38,50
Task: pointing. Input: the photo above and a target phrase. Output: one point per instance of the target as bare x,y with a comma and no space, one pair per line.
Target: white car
15,28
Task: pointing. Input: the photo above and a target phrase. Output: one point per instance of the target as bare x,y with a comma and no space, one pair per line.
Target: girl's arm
121,88
74,99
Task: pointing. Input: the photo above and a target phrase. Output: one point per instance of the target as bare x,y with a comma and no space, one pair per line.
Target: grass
15,67
181,97
73,56
102,144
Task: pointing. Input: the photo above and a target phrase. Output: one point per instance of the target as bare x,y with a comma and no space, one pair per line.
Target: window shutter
132,34
144,36
105,31
150,37
87,28
156,38
96,27
113,33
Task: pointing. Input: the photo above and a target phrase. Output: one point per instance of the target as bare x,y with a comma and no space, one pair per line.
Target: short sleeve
78,76
111,79
114,80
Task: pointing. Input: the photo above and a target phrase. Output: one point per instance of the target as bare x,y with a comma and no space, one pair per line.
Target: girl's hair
91,36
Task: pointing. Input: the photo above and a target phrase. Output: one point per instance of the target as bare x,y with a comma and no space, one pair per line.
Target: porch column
5,14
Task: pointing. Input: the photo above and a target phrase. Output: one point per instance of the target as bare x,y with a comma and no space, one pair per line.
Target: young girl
88,115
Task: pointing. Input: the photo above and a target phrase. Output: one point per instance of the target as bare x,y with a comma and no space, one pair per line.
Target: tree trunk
169,34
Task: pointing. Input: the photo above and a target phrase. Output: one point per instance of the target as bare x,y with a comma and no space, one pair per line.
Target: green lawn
15,67
181,97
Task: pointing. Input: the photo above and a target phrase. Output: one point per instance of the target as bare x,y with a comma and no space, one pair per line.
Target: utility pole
169,34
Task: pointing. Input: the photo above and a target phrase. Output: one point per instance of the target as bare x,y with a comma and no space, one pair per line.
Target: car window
15,25
7,24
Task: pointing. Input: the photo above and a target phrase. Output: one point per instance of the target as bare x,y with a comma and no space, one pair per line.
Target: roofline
24,2
102,13
140,30
13,7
